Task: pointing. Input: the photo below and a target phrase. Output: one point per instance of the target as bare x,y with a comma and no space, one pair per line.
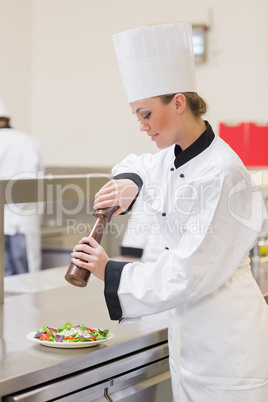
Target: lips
153,136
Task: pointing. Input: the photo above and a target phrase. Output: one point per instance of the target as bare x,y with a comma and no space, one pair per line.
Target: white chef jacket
142,237
210,214
20,158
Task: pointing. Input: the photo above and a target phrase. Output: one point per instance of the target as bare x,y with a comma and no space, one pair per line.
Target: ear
180,103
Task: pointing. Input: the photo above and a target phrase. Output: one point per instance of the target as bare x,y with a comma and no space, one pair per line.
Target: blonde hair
197,104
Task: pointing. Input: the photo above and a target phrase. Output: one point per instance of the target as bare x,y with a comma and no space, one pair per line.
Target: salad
71,333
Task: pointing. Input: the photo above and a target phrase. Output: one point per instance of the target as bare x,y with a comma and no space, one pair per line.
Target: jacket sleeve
142,169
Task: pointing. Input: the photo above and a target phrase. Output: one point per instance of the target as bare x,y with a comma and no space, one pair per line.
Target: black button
172,169
163,214
182,175
166,248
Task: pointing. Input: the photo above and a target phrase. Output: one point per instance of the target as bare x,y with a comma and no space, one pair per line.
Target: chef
20,157
210,214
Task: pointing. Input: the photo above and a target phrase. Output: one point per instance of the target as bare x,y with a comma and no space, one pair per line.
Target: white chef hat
156,60
3,109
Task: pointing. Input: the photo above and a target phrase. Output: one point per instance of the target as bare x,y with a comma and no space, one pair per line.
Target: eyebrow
139,108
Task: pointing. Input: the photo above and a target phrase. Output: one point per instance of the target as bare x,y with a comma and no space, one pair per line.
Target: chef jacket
142,237
210,214
20,158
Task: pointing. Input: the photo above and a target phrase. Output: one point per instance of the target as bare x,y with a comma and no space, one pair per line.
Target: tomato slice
93,337
44,337
69,338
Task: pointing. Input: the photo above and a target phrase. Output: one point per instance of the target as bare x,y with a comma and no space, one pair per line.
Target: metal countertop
25,364
47,299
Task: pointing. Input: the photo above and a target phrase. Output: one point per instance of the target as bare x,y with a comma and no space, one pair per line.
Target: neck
192,130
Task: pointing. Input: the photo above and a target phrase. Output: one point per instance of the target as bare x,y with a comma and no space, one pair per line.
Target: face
159,121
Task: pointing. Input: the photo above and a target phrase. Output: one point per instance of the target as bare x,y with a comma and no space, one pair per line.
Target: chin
162,146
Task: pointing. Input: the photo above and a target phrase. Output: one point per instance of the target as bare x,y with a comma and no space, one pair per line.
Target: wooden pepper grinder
79,276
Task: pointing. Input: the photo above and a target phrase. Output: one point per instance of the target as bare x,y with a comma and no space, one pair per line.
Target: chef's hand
93,255
116,193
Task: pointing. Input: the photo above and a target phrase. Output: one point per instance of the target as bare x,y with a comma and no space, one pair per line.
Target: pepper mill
79,276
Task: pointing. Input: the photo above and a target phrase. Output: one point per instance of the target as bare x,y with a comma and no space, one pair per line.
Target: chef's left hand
93,255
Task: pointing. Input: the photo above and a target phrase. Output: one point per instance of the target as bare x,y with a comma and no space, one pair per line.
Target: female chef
210,215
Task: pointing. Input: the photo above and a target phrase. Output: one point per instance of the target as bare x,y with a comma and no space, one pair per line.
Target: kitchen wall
16,61
60,80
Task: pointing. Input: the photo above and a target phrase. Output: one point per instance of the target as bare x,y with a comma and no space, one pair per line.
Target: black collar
202,142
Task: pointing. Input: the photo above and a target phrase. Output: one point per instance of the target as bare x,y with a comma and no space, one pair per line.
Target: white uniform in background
20,157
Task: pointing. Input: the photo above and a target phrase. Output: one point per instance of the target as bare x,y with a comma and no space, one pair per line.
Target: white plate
67,345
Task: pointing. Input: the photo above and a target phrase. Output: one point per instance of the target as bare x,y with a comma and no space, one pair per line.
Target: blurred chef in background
20,157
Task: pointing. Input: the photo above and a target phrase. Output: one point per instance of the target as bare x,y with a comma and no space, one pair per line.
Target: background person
210,214
20,157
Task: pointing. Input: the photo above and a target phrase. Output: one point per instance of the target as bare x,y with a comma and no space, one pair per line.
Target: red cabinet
248,140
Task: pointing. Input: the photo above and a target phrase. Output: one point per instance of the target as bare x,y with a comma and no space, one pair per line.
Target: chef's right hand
116,193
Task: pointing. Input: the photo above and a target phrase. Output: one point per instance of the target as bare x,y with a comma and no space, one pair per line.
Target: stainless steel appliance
142,376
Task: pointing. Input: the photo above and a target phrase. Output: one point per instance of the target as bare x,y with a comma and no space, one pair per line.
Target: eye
147,116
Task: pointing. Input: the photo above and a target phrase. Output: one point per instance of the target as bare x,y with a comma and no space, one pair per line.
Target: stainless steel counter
38,281
25,364
45,298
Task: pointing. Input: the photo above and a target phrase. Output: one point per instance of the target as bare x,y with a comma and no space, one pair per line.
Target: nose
144,126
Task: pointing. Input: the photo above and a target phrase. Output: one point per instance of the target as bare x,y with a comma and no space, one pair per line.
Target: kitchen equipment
79,276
